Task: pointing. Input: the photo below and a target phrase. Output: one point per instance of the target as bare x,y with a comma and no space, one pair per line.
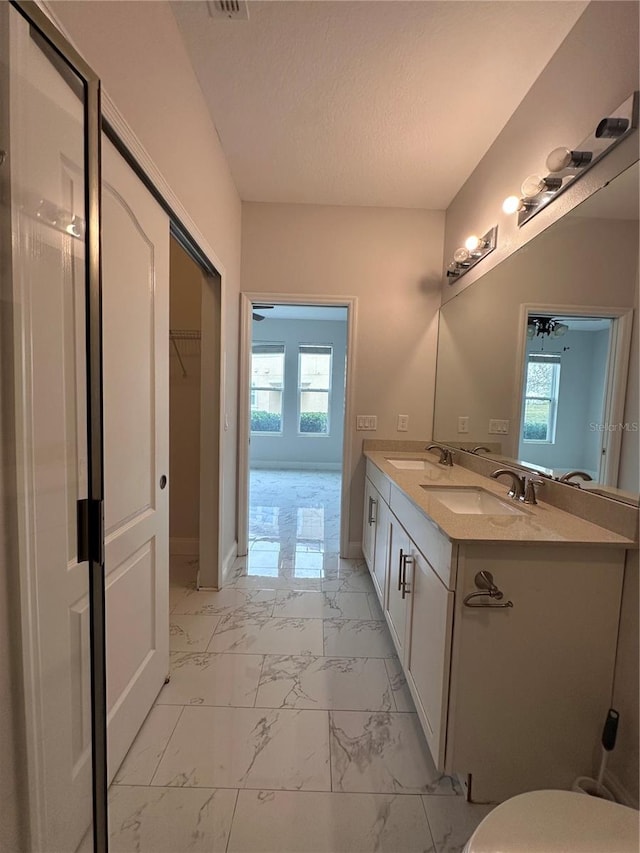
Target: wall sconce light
545,326
566,164
474,250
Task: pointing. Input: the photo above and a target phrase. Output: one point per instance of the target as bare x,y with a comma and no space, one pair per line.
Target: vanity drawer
379,480
429,539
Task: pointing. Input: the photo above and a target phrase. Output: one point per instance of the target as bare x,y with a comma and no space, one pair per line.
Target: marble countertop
541,523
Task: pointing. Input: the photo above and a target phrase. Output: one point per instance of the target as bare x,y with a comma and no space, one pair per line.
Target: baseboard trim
268,465
354,551
228,562
184,546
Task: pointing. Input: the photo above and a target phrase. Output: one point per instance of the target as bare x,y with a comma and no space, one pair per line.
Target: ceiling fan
258,317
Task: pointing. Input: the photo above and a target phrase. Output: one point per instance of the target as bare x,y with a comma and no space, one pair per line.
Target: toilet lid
557,822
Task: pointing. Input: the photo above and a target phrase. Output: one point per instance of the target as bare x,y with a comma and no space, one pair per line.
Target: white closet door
135,253
44,361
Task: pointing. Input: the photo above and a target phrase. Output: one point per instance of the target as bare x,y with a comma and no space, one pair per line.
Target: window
314,387
541,398
267,385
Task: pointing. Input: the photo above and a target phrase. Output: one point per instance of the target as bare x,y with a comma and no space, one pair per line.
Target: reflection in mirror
559,397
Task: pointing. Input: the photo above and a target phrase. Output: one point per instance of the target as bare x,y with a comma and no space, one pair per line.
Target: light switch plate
498,427
366,422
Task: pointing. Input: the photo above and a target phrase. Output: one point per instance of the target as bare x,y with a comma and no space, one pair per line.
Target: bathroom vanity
504,617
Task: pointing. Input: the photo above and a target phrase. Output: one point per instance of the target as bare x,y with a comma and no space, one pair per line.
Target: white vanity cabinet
531,684
375,528
511,698
397,608
419,612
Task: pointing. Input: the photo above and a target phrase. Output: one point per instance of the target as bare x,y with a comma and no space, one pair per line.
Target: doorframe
617,372
244,391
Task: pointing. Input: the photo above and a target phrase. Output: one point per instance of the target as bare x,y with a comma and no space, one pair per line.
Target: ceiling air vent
228,10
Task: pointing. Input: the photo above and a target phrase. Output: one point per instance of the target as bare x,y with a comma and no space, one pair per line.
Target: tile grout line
233,817
426,815
255,698
153,775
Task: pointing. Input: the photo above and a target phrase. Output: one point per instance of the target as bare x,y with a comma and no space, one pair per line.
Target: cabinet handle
371,518
400,565
406,558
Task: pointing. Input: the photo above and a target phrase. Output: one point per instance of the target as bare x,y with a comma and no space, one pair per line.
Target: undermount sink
409,464
471,500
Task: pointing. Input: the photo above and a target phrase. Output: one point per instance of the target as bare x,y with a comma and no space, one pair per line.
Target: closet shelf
186,342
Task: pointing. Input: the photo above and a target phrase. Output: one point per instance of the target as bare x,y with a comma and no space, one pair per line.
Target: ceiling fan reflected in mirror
258,317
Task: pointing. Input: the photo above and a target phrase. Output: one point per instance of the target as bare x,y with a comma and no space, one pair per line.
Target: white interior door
135,302
48,370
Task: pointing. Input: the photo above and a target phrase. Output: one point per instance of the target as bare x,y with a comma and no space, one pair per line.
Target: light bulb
562,158
531,331
472,243
559,159
512,204
532,186
461,255
559,329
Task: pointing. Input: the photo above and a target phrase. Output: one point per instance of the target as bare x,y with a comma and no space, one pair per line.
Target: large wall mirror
538,359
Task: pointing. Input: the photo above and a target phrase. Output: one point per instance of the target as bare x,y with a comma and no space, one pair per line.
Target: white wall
290,449
594,70
390,260
137,50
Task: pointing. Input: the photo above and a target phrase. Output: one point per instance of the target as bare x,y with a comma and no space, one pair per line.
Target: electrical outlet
498,427
463,424
366,422
403,423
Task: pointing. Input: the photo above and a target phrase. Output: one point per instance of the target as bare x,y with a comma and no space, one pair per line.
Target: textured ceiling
377,102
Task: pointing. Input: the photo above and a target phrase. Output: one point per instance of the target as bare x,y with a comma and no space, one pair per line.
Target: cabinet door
397,605
429,651
381,551
371,503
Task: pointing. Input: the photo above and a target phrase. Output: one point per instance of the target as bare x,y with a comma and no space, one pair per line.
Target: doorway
298,360
296,355
574,368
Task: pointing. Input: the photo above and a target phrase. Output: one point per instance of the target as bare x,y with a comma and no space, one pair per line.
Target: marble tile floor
287,726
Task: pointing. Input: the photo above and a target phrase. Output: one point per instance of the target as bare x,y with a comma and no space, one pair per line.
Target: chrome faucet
529,496
517,482
446,454
581,475
523,487
479,448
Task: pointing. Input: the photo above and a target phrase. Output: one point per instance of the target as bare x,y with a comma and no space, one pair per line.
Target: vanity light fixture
545,326
566,164
474,250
